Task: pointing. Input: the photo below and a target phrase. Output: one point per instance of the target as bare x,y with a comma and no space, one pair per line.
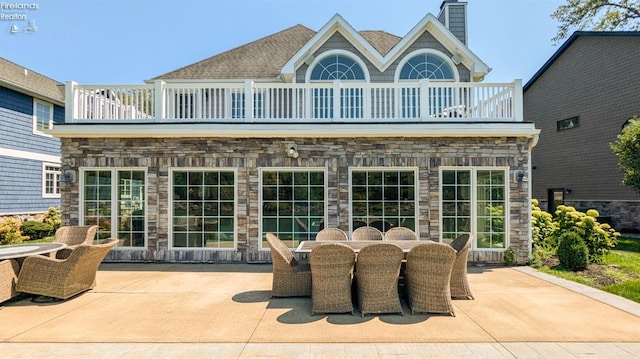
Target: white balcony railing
319,102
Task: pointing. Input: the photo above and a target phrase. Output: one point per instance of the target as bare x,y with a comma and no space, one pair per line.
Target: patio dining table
28,249
406,246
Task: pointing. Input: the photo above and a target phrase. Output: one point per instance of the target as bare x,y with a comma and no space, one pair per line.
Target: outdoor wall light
67,176
521,176
292,151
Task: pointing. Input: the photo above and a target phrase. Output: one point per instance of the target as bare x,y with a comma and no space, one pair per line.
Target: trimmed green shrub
572,251
543,227
598,237
37,230
53,217
509,257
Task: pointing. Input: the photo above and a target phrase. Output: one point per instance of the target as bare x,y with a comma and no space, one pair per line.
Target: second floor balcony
327,102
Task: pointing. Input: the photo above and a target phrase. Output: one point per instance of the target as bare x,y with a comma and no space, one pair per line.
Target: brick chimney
453,14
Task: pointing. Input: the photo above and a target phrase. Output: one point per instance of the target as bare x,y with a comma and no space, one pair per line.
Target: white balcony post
248,99
518,102
336,99
159,100
424,99
71,102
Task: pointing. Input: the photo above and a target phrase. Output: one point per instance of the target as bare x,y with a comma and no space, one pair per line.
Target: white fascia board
336,24
331,130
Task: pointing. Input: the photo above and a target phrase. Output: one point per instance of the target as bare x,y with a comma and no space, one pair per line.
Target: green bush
598,237
509,257
53,218
10,230
572,251
37,230
543,227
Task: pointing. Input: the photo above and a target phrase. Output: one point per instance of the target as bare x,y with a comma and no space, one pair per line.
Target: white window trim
335,52
35,116
454,68
474,202
287,169
235,208
114,201
387,169
44,180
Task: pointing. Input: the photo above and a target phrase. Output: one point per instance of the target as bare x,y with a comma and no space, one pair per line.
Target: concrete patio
225,311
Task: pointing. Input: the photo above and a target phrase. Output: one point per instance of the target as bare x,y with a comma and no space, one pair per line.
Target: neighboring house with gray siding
299,131
29,157
580,100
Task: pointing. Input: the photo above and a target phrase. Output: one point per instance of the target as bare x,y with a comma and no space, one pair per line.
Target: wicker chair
290,278
376,277
332,234
459,283
366,234
73,236
8,275
400,233
63,278
427,278
331,274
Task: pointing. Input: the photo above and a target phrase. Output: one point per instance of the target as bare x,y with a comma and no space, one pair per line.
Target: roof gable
21,79
382,60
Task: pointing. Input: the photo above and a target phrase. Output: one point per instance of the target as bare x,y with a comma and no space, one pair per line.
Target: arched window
442,100
426,66
337,66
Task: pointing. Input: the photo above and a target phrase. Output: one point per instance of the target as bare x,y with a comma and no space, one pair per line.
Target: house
29,157
298,131
580,99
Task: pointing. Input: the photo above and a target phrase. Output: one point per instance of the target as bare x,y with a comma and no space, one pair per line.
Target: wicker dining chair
400,233
63,278
290,277
9,269
427,278
73,236
366,234
331,275
376,277
459,282
332,234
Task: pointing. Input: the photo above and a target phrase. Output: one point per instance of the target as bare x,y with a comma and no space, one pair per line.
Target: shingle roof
24,80
263,58
381,40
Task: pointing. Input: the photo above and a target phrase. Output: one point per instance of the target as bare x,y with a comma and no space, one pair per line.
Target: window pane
383,196
293,206
209,207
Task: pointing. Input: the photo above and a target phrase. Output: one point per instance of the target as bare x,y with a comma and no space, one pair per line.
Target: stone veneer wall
337,155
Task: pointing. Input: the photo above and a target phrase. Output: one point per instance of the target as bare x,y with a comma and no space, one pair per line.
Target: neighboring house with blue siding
29,158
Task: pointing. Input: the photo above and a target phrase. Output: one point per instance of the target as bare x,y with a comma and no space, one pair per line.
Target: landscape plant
572,251
10,230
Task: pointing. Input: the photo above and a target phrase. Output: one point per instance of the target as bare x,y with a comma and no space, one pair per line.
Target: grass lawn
618,274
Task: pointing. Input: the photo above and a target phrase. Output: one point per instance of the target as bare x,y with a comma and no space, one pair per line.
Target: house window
50,180
342,68
115,200
474,200
203,208
426,66
42,116
383,198
238,105
293,204
568,123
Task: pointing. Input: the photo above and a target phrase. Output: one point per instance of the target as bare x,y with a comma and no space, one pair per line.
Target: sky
130,41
